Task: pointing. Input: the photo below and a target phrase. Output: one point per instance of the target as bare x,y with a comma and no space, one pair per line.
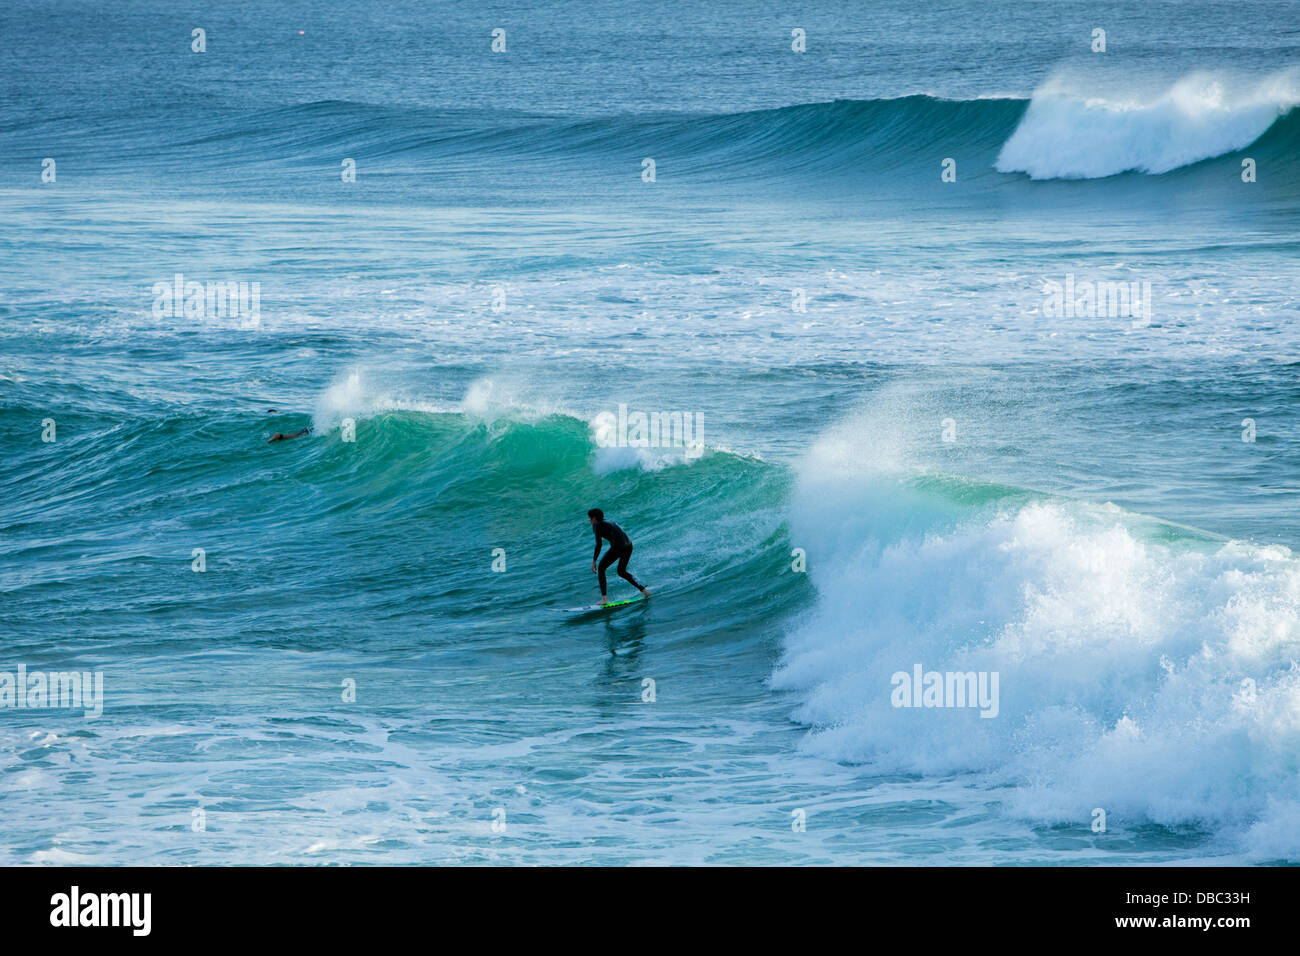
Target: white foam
1121,655
612,458
353,395
346,397
506,396
1068,135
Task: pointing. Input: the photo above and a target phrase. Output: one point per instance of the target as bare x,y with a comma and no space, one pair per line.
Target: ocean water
347,648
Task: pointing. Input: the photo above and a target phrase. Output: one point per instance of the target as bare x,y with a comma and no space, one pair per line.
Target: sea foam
1142,672
1065,134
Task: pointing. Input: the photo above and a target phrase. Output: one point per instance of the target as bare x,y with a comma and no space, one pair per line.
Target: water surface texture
346,648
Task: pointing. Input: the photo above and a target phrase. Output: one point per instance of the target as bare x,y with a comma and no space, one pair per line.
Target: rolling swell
1123,644
395,530
887,144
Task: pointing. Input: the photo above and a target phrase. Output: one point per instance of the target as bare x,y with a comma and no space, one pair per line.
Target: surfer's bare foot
645,592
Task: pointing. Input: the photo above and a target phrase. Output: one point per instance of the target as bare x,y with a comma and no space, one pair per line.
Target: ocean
901,340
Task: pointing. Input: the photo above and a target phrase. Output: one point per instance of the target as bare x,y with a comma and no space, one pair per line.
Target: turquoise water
923,466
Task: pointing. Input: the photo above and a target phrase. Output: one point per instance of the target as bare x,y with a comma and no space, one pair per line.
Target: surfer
280,437
620,549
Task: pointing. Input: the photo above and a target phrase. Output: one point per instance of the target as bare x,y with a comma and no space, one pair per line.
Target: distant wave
889,143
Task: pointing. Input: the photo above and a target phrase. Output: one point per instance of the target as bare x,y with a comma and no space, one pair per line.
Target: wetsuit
620,549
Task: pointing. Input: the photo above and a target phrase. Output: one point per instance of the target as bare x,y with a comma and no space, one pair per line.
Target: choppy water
975,484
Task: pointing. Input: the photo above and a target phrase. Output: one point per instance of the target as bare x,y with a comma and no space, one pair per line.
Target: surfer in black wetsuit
620,549
279,437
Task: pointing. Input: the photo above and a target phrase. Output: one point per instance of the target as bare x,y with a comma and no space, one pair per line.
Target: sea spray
1074,134
1122,661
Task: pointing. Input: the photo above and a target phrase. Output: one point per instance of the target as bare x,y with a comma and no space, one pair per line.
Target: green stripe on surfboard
602,607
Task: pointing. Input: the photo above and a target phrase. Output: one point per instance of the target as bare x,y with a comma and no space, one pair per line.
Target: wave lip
1067,136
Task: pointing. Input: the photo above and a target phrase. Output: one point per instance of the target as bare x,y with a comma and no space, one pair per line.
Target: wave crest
1141,670
1064,135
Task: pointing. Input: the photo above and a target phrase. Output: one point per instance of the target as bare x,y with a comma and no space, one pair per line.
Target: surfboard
601,607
